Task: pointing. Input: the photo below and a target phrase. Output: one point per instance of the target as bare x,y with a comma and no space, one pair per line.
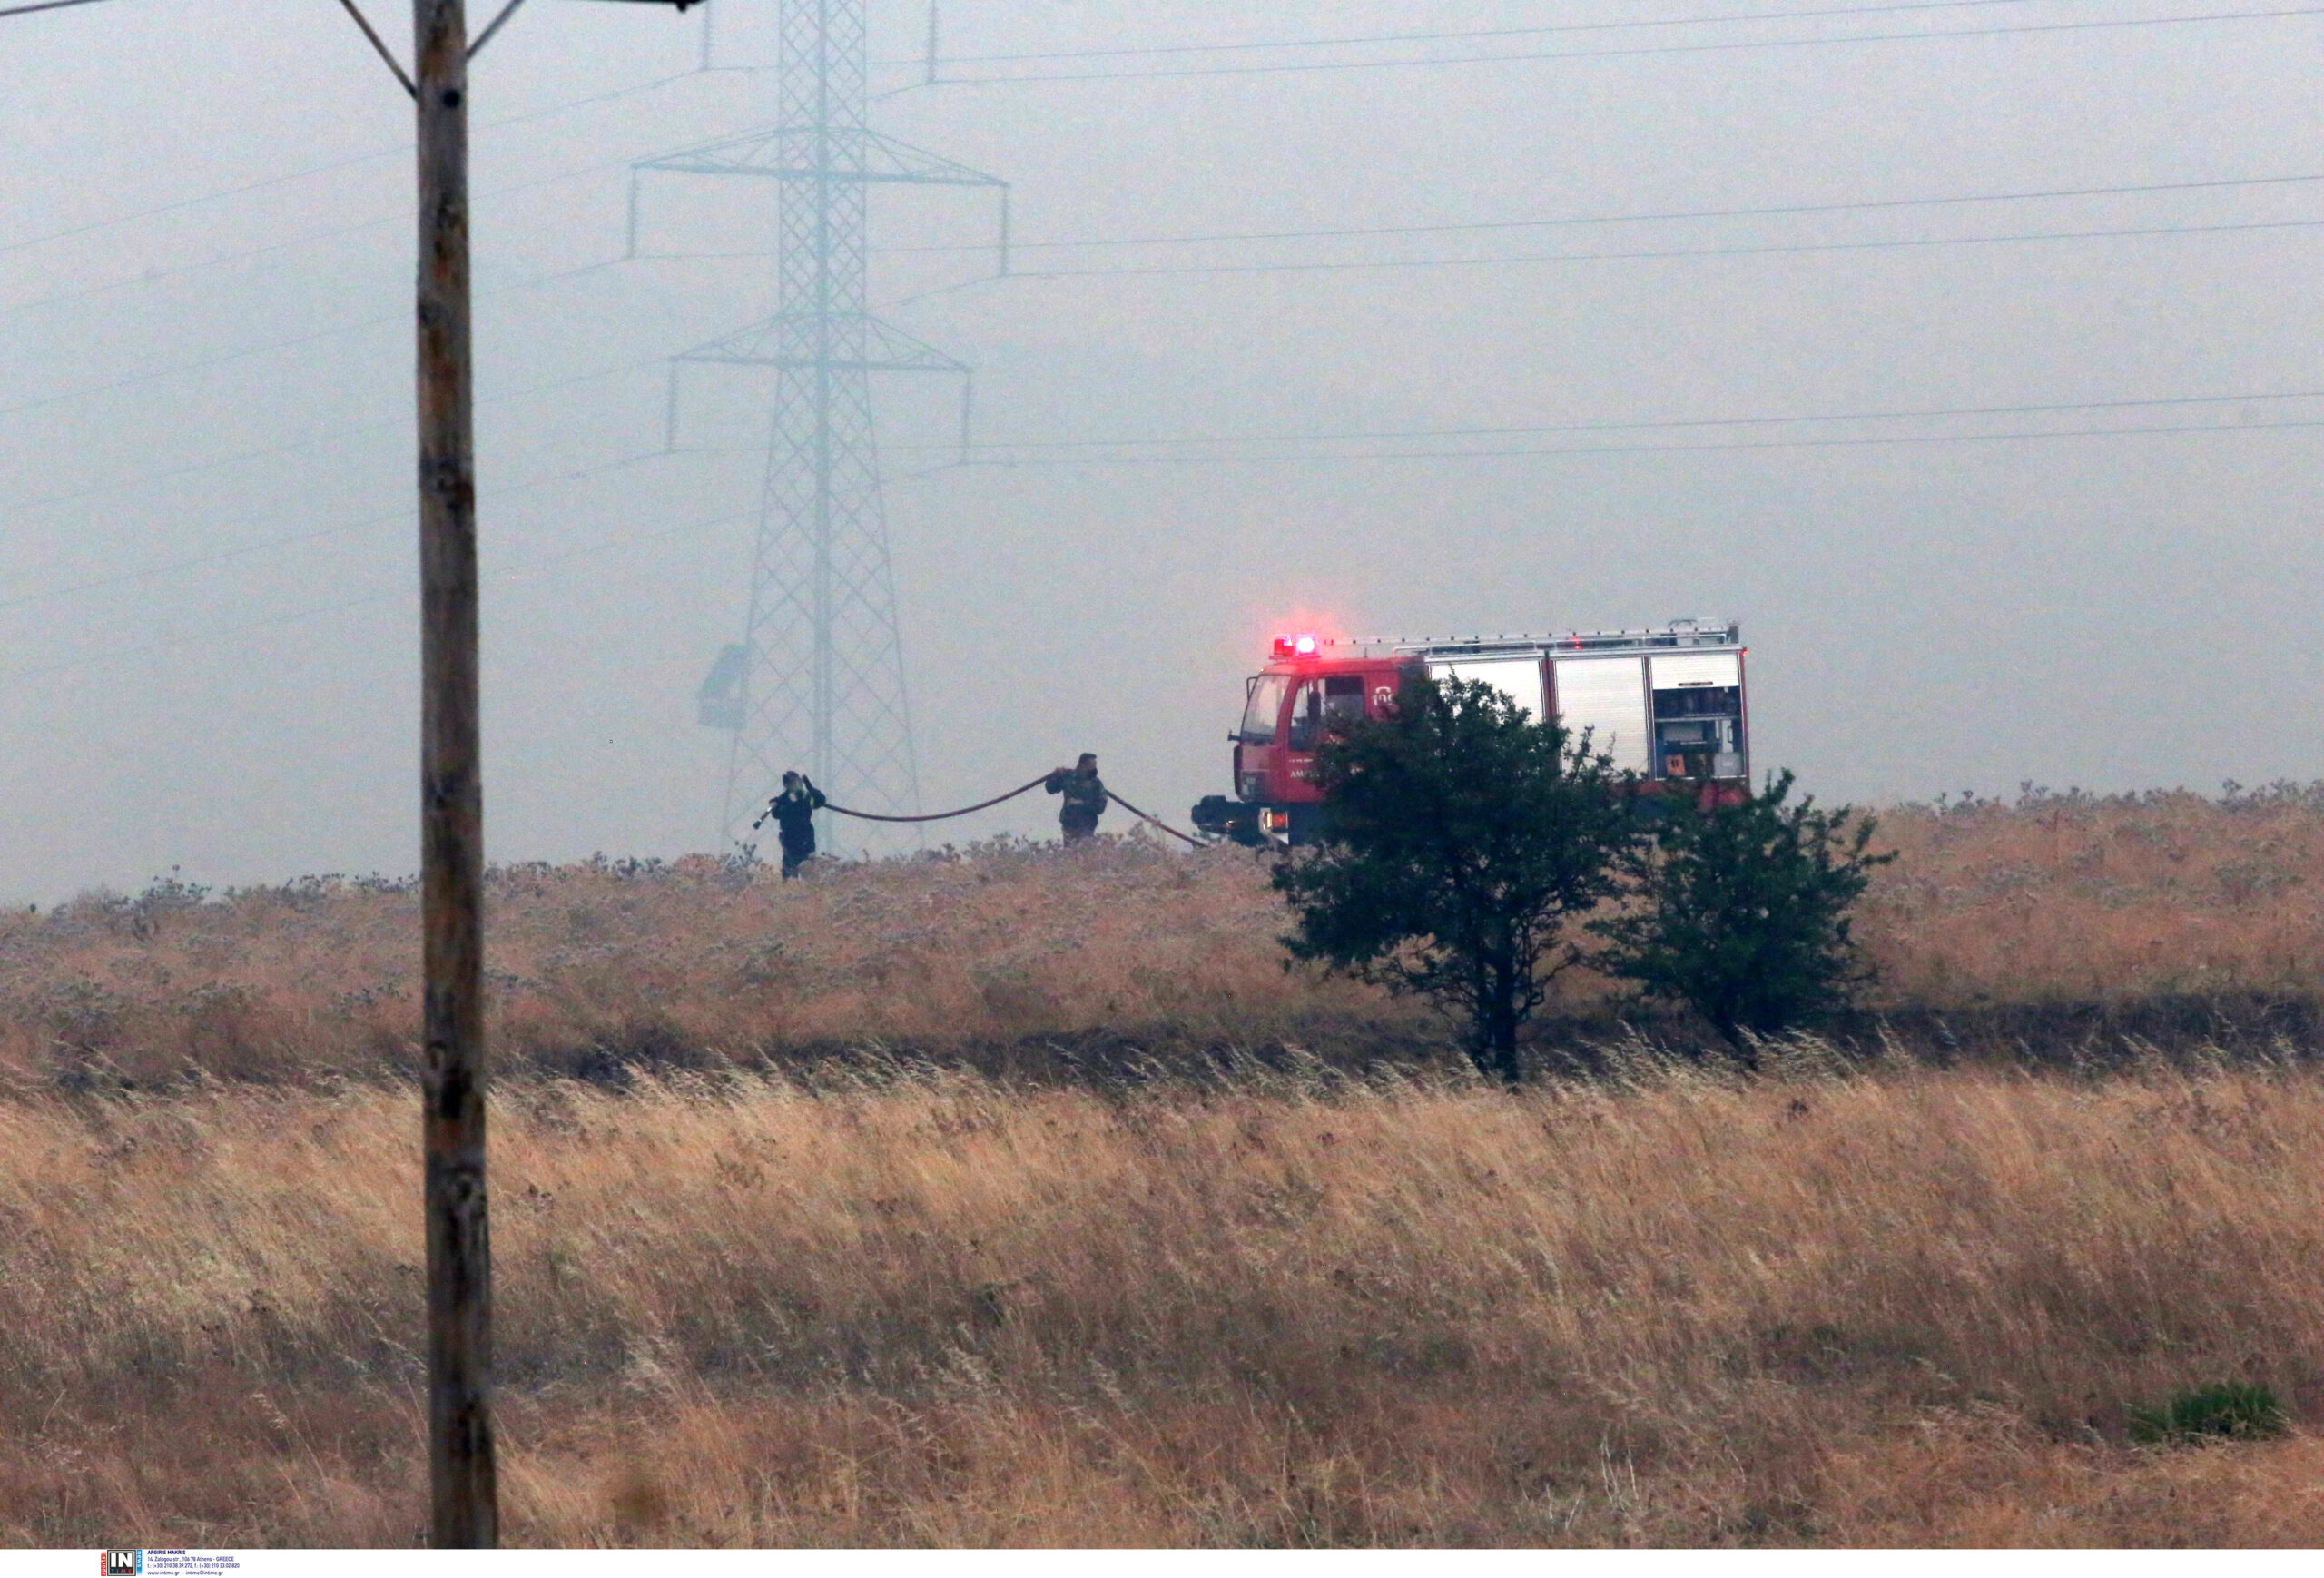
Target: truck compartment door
1518,678
1698,714
1697,671
1607,697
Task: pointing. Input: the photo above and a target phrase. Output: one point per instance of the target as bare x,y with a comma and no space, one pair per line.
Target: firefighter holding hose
793,810
1085,798
1085,794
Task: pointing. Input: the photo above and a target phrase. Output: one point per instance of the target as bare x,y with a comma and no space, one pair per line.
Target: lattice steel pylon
817,681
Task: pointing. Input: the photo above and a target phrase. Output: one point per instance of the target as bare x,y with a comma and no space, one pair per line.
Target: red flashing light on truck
1667,705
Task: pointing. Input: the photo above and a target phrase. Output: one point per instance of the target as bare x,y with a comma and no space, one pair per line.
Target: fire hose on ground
987,804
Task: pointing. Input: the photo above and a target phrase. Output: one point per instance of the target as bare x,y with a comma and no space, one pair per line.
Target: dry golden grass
2055,899
2081,897
859,1304
690,964
1891,1307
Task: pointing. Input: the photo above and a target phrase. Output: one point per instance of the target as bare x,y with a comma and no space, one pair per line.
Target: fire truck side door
1263,709
1343,700
1307,716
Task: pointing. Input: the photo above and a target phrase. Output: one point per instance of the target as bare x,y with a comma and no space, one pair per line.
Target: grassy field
1007,947
2061,897
1893,1307
769,1274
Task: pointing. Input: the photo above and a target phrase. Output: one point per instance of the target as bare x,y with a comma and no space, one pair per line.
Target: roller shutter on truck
1696,670
1697,714
1607,697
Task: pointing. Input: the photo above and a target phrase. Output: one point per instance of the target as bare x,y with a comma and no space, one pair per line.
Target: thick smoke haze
207,579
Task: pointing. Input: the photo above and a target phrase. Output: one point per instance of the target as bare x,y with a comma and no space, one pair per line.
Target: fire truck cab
1667,705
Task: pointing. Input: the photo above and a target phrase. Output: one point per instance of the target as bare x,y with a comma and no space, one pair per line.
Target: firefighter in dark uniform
793,810
1085,798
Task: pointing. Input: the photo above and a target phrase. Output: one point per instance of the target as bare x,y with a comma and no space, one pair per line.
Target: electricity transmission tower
817,681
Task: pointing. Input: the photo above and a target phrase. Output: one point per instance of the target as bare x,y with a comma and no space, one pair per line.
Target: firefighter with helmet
793,810
1085,798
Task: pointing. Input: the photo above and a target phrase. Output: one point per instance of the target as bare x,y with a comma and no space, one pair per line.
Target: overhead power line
522,569
1638,255
297,538
526,568
327,232
1873,441
226,358
1776,210
1047,448
298,446
1892,414
1342,232
377,154
400,151
1642,254
1351,435
1362,40
1508,57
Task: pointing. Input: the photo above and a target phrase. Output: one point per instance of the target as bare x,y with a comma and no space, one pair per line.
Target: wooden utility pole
466,1508
464,1489
451,807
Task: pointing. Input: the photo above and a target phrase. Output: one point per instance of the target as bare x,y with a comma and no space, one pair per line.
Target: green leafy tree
1458,838
1743,911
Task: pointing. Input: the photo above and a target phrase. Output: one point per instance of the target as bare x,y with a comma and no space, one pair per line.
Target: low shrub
2238,1409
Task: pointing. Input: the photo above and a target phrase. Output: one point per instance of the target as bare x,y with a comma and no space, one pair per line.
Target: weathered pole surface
451,815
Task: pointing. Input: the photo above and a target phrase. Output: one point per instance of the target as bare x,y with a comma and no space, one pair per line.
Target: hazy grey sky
204,289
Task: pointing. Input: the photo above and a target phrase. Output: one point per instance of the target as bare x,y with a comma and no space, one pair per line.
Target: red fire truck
1667,705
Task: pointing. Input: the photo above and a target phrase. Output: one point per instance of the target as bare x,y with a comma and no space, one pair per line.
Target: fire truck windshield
1266,709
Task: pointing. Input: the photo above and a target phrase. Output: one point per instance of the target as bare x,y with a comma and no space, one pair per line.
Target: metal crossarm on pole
493,26
380,45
